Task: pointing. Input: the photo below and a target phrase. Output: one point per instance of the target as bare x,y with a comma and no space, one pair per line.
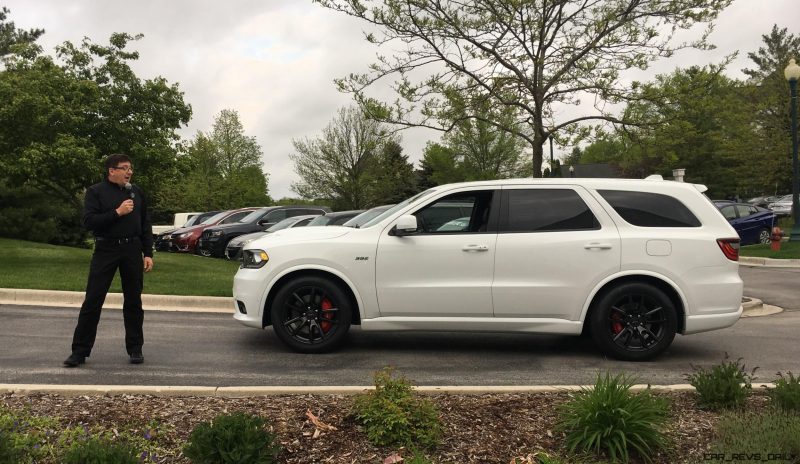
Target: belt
116,241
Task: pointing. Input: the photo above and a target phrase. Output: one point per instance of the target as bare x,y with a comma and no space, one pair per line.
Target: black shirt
100,216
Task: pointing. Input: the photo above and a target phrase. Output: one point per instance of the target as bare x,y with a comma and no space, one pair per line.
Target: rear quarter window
646,209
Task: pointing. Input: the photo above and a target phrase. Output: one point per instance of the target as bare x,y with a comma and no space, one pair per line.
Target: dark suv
215,239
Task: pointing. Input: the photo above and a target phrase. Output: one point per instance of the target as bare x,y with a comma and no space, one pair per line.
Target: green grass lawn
789,250
48,267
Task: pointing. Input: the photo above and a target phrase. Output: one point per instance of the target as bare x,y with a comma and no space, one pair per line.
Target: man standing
116,213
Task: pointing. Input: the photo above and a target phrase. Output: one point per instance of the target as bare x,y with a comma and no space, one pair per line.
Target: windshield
253,217
215,218
284,224
319,221
394,209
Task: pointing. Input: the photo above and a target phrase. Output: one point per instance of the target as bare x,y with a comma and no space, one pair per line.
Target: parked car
366,216
162,240
234,248
214,239
185,240
763,201
178,220
782,206
753,224
630,262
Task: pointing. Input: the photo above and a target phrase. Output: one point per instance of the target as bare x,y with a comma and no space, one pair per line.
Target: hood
237,241
300,234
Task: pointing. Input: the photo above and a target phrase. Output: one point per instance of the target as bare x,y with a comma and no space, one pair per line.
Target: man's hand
148,264
126,207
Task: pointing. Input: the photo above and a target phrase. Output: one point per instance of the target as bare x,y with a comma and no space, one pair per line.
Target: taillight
729,247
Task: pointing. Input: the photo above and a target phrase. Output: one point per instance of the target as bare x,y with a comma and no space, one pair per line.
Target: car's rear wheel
634,322
763,237
311,314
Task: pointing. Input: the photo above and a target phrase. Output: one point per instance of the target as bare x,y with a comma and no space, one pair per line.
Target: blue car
752,223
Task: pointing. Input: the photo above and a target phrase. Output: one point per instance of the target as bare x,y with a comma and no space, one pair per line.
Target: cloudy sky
274,61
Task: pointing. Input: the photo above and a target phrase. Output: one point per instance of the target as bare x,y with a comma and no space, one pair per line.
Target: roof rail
654,177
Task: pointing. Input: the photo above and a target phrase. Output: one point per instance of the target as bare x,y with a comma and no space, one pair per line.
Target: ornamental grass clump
786,394
724,386
394,416
767,436
232,439
610,418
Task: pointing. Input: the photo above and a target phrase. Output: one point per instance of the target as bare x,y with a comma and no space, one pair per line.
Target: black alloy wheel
634,322
311,314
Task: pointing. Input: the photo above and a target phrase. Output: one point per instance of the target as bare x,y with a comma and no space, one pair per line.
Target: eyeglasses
124,168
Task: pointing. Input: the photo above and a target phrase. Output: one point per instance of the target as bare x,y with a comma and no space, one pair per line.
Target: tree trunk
537,159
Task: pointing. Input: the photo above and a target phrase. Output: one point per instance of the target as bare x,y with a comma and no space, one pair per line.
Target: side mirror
406,225
264,222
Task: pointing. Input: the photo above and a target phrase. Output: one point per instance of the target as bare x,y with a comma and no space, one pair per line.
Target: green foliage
757,436
786,394
610,418
99,451
232,439
9,454
789,250
725,385
394,179
393,415
12,39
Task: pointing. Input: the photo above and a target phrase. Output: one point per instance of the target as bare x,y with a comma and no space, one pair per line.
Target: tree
58,121
11,38
394,179
340,164
222,170
533,56
771,106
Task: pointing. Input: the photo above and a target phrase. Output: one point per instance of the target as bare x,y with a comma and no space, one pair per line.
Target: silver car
783,206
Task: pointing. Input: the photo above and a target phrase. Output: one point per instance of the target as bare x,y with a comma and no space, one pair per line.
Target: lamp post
552,165
792,74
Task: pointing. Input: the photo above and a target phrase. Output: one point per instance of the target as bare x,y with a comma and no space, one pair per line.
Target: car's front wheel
311,314
634,322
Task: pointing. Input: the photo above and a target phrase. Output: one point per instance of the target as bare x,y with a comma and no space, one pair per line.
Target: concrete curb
206,304
243,392
753,307
768,262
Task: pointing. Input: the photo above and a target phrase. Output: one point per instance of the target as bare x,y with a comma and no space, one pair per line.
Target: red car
185,240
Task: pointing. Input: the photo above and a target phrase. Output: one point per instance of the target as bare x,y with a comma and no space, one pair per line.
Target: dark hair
113,161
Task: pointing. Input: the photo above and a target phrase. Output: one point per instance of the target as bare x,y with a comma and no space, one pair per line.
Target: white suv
631,262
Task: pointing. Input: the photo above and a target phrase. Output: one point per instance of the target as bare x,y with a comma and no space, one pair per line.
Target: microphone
129,188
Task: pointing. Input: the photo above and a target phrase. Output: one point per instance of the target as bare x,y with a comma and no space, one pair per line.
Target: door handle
475,248
597,246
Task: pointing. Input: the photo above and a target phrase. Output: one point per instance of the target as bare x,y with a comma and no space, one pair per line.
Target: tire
311,314
634,322
763,237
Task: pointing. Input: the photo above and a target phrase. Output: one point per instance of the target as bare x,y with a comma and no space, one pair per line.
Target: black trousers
107,258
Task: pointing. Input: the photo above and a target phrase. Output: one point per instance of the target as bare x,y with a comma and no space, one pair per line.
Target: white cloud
274,61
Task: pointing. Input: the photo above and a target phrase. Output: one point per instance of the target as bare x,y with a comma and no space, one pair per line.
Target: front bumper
211,246
249,287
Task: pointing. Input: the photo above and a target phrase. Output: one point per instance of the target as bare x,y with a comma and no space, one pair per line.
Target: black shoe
74,360
136,357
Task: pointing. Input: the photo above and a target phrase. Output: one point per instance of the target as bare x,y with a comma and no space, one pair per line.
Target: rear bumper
707,322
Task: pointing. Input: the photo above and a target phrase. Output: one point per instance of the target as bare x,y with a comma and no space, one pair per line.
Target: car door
445,269
554,245
747,224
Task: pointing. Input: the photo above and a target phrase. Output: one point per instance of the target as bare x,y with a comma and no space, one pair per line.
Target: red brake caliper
616,325
326,304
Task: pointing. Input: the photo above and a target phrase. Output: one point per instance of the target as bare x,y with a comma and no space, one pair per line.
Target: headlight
217,233
254,259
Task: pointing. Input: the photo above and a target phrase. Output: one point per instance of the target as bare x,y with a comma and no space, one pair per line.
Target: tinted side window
276,215
540,210
466,212
645,209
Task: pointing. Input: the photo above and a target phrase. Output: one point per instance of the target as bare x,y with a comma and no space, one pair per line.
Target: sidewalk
202,304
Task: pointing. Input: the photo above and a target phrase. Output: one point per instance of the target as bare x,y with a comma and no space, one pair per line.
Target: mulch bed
489,428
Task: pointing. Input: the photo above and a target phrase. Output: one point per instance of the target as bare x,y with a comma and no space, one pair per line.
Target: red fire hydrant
775,239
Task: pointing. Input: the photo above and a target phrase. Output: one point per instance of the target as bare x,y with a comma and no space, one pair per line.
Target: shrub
236,438
786,393
100,451
393,415
768,436
725,385
611,418
9,454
